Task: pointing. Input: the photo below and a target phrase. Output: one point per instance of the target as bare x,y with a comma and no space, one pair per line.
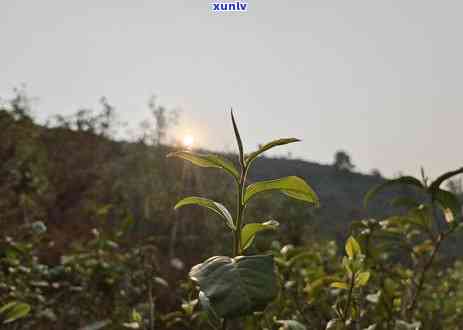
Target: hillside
77,171
91,218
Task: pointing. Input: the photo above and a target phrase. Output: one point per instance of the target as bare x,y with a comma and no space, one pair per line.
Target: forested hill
67,174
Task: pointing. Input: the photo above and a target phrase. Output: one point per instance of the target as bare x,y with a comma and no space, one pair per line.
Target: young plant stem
239,209
440,237
425,269
239,215
349,297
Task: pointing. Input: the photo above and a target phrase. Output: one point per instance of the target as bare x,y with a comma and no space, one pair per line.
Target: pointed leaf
291,186
268,146
404,201
211,205
238,139
207,161
339,285
361,279
449,203
16,311
237,286
250,230
407,180
7,306
436,183
352,248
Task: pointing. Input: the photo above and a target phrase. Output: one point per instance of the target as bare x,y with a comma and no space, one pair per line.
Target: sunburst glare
188,141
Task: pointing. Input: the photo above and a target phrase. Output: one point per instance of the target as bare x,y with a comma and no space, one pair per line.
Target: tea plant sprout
239,285
356,277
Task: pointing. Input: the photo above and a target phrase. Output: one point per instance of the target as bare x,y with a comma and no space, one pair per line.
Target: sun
188,141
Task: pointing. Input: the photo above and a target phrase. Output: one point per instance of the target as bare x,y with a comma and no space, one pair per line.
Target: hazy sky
380,79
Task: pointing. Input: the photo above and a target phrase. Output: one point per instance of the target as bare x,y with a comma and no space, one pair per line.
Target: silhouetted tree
164,119
376,173
342,161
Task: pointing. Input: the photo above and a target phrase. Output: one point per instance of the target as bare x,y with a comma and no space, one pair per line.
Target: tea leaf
207,161
352,248
291,186
268,146
236,286
339,285
406,180
250,230
211,205
238,139
362,278
14,311
7,306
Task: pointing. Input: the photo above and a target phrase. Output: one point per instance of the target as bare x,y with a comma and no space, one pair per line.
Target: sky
379,79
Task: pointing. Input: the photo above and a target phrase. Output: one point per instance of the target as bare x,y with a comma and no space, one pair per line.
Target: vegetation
90,238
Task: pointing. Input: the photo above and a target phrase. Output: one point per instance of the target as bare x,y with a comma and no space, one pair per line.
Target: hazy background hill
73,174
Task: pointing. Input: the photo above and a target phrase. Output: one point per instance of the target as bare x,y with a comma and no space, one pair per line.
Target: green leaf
7,306
291,186
449,203
404,201
236,286
207,161
250,230
14,311
425,247
290,325
407,180
339,285
211,205
238,139
436,183
268,146
362,278
136,316
352,248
